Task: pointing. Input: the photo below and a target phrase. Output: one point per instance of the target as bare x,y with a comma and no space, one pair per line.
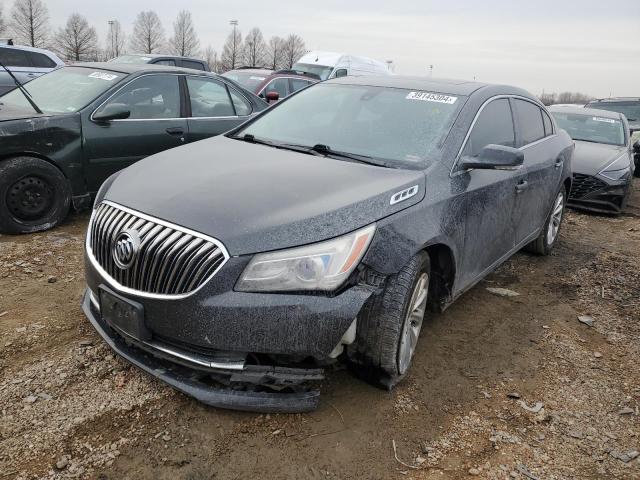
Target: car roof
616,99
130,68
458,87
261,71
44,51
159,55
586,111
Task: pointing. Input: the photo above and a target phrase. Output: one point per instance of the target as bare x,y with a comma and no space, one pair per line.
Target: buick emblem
125,248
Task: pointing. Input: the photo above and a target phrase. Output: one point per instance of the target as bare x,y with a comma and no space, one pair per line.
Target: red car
269,84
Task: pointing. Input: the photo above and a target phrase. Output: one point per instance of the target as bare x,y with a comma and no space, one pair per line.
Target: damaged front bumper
594,194
252,388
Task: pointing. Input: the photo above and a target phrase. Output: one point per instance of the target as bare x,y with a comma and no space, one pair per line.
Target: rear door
213,107
156,123
490,194
19,63
542,168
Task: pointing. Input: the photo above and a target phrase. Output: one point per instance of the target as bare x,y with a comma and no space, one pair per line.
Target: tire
376,354
547,240
636,172
34,195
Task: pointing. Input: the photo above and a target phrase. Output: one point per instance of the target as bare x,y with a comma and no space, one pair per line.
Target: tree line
27,22
565,97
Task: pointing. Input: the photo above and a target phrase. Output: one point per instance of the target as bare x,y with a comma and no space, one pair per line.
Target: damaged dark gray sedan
236,268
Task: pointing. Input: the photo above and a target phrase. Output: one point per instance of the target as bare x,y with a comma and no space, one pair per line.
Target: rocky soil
533,374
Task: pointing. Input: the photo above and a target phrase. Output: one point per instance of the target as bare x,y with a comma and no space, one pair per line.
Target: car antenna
24,91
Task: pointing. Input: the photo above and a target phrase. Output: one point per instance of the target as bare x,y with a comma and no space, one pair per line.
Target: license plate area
123,314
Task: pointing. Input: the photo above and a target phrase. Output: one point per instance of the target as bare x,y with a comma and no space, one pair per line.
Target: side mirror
273,97
113,111
495,157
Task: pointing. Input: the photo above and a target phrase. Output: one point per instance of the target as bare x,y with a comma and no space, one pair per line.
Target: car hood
590,158
255,198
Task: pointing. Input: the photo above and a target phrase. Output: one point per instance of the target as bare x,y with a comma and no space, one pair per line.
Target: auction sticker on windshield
103,76
431,97
607,120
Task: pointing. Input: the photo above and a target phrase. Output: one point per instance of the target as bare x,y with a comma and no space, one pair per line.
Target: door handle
559,163
522,186
177,131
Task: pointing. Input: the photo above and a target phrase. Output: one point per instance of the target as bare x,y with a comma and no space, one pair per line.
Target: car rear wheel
34,195
389,326
551,230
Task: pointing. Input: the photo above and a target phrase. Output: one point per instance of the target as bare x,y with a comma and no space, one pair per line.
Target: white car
26,63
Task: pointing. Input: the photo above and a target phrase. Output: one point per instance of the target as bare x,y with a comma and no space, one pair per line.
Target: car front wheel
389,326
34,195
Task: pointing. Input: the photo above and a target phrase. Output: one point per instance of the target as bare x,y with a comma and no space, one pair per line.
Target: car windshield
631,110
321,71
403,128
65,90
249,80
131,59
589,128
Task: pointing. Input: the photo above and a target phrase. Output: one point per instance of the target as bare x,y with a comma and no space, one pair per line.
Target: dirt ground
501,387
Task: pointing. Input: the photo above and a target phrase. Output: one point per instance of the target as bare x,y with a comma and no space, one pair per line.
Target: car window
168,63
340,73
298,84
548,126
209,98
529,121
589,128
193,65
150,97
493,126
280,85
12,57
242,106
39,60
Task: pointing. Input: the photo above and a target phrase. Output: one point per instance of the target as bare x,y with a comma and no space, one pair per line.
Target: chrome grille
170,260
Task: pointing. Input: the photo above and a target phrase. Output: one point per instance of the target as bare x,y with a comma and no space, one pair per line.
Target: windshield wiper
24,91
247,137
327,151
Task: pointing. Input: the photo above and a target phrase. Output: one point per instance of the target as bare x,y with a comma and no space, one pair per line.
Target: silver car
603,163
25,63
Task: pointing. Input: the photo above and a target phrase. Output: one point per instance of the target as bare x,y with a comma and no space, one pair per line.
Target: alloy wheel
413,323
556,219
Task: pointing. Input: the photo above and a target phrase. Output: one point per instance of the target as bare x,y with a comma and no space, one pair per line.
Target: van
332,65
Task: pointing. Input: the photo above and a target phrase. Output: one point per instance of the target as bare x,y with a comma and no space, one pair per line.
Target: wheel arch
9,156
567,184
443,274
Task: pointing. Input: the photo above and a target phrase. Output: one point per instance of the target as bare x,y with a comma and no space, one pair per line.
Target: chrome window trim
121,288
453,173
136,119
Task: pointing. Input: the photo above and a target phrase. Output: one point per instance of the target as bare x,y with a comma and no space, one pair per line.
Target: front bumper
597,195
242,390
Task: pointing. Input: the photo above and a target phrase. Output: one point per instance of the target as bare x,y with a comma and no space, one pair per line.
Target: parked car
96,119
322,229
167,60
630,108
603,163
25,63
269,84
333,65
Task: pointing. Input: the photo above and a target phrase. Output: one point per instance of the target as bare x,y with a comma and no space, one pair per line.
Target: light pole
234,23
113,49
431,70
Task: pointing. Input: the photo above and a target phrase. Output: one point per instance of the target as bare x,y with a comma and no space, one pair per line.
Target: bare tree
148,34
230,58
184,41
30,22
2,25
116,40
211,57
254,49
77,41
293,50
275,52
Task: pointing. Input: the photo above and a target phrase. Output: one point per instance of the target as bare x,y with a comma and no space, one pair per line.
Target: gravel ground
540,385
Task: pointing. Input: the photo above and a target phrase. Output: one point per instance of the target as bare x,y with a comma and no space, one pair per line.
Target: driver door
155,124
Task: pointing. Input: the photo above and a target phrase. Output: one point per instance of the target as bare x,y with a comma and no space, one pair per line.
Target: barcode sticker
432,97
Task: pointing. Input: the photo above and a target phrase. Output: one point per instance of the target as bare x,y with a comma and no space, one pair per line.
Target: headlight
618,169
320,266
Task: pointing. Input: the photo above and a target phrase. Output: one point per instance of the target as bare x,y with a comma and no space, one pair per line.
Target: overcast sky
591,46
